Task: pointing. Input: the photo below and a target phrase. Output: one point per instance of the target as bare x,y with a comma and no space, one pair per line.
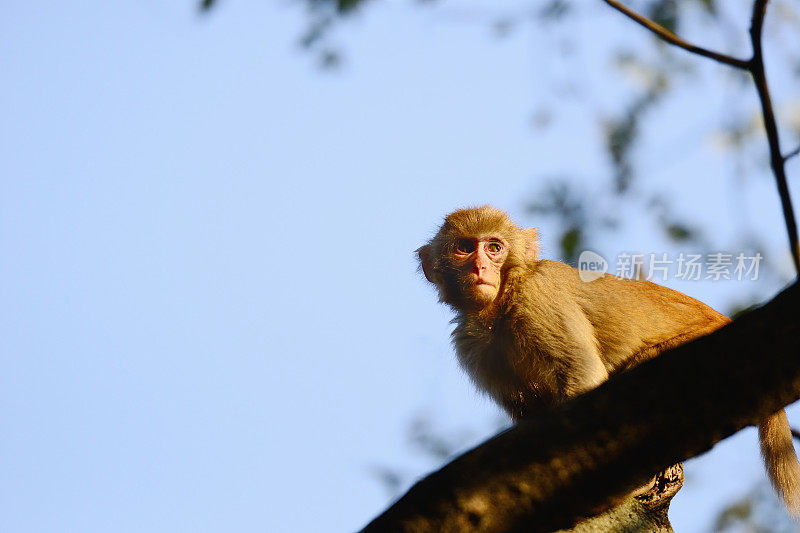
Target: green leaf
570,242
346,6
665,13
679,232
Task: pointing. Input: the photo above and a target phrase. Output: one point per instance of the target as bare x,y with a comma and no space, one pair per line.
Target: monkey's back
632,319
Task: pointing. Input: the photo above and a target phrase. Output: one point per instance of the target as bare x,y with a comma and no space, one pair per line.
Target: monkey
530,333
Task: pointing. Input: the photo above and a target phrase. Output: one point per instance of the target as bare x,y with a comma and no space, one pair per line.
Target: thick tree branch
671,38
587,454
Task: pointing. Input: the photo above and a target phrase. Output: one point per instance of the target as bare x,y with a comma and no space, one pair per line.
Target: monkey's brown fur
542,335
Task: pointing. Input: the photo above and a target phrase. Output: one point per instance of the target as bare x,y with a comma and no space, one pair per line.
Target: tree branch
755,66
792,154
671,38
776,159
585,455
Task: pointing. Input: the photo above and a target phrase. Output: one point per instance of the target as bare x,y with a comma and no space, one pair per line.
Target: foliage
657,74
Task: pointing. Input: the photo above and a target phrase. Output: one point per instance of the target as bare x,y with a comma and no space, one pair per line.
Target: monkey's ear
426,261
531,244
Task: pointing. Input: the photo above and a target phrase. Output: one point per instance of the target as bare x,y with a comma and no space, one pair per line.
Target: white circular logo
591,266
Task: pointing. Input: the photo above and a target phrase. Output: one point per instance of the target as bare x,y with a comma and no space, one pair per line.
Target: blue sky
212,318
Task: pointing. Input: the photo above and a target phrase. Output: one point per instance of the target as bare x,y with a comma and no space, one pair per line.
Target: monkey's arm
551,355
560,345
583,366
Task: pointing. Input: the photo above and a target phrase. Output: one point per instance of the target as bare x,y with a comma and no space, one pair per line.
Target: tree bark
643,513
588,455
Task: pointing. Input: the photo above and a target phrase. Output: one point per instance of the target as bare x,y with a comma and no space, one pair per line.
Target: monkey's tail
780,459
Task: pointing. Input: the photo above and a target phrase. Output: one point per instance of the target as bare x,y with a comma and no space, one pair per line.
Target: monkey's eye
465,246
493,248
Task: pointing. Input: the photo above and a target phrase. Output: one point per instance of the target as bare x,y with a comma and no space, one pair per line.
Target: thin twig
792,154
777,161
671,38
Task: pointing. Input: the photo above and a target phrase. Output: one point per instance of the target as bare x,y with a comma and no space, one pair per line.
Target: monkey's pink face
480,261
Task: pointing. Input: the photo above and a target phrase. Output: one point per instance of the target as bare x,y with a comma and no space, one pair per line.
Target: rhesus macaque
531,333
